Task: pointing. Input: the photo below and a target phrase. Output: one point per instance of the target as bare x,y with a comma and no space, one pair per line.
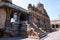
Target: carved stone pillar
8,20
8,15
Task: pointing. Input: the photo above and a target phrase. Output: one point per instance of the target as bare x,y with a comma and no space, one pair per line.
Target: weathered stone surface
30,23
2,17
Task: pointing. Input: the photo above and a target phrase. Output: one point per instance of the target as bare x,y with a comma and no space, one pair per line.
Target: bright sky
52,6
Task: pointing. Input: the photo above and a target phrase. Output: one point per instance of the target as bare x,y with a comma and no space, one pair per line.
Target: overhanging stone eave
13,6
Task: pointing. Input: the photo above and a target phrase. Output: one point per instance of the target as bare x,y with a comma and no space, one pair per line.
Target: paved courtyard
50,36
53,36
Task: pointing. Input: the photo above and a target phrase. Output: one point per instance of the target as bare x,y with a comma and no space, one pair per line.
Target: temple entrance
23,17
23,26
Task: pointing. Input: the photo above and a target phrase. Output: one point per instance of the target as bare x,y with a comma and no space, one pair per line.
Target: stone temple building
55,24
15,20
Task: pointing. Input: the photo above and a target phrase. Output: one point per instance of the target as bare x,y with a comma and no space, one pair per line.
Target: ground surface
53,36
50,36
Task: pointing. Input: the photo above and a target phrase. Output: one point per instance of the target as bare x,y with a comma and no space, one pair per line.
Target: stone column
8,20
55,26
19,17
59,25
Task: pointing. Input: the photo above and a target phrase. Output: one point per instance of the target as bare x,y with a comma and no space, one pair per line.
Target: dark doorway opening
57,26
23,17
53,26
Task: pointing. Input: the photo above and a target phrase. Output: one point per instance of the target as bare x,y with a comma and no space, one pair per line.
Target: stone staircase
42,32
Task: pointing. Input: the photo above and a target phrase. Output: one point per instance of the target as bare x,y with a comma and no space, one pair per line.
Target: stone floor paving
50,36
53,36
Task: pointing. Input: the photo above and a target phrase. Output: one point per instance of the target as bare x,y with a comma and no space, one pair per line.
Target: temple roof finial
40,4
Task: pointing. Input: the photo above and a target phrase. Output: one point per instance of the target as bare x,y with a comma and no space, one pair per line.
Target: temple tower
40,7
30,7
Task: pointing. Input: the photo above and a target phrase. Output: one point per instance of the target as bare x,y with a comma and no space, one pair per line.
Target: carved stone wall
2,17
31,22
40,13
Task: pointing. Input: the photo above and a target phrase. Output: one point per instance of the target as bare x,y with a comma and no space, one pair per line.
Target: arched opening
53,26
38,22
57,26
